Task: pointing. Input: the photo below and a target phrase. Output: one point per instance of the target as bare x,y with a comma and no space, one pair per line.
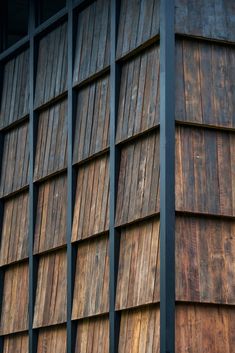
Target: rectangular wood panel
205,83
92,49
51,148
139,94
14,235
205,174
50,227
138,184
139,21
93,336
15,91
15,161
52,340
51,77
91,288
17,343
14,312
92,119
50,305
139,265
206,18
91,211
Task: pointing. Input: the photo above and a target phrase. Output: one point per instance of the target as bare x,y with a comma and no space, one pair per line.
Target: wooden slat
206,18
139,94
138,273
92,120
15,162
15,93
205,175
92,41
93,336
14,236
14,311
91,293
50,306
51,149
205,83
52,340
139,21
91,211
51,77
17,343
50,228
138,184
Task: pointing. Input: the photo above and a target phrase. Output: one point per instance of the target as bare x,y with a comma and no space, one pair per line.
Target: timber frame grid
167,165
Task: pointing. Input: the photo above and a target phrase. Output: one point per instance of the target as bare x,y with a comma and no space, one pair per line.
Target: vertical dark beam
71,253
167,177
32,186
114,236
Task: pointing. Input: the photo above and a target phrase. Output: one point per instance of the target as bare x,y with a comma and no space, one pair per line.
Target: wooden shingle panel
15,92
52,340
50,227
17,343
91,288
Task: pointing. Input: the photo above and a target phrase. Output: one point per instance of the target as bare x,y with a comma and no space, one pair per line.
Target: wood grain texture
139,265
93,336
14,312
15,91
205,83
14,235
139,331
92,49
50,227
17,343
15,161
91,288
139,95
205,260
51,148
52,340
138,184
51,77
205,173
50,305
91,211
139,21
92,120
206,18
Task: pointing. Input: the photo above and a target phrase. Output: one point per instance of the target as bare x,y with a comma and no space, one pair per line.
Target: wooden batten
52,340
16,343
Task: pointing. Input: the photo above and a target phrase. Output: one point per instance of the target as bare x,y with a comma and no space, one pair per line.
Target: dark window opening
49,8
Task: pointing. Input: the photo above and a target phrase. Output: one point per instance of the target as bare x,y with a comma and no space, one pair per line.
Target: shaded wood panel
139,265
92,119
17,343
50,305
93,336
206,18
51,148
15,161
51,77
50,227
14,236
205,261
139,21
91,288
92,49
15,91
205,83
139,95
52,340
139,331
91,211
205,174
138,184
14,312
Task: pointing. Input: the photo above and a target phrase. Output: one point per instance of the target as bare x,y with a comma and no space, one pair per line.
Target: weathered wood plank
52,340
17,343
